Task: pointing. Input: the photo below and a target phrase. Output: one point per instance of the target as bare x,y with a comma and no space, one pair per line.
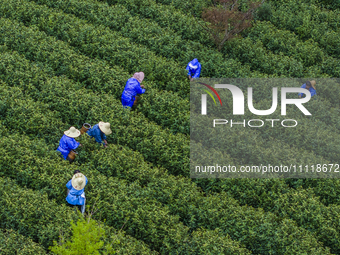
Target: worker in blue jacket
99,132
132,88
310,85
75,194
68,143
194,69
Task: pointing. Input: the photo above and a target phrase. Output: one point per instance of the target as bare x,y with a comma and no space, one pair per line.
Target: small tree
226,20
87,235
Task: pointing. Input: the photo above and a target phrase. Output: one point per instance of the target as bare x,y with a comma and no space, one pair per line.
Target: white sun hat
105,127
78,181
72,132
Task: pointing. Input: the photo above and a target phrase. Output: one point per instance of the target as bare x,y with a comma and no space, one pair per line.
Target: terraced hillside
65,62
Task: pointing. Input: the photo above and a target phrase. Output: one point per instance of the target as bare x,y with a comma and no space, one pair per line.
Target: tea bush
120,207
167,16
169,76
119,203
8,143
169,44
287,42
99,41
13,243
64,63
106,155
94,74
309,20
33,214
182,193
130,128
164,42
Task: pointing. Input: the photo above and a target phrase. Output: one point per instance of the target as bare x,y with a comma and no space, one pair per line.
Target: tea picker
310,85
99,132
194,69
132,88
68,144
75,191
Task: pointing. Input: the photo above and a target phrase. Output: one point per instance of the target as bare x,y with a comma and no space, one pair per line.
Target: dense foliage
63,63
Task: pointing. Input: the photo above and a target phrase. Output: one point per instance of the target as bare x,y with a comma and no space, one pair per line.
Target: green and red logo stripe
213,90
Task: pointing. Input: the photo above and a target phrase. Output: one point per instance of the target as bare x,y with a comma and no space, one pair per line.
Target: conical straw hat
105,127
139,76
78,181
72,132
313,84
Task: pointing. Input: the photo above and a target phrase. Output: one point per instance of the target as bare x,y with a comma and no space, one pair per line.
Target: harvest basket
72,155
85,128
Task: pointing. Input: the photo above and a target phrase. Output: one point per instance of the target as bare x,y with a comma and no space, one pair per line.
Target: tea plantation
66,62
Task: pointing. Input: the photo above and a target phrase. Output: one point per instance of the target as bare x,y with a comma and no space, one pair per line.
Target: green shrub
13,243
162,41
100,42
130,128
94,74
308,52
264,12
87,235
33,164
30,213
308,20
166,16
185,199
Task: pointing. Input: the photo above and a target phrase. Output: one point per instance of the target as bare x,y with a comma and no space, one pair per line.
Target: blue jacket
66,144
311,90
132,88
74,196
97,134
194,72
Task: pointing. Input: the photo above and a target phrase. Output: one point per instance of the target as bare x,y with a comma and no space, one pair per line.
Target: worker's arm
73,144
301,94
188,69
313,92
197,72
69,185
103,137
139,90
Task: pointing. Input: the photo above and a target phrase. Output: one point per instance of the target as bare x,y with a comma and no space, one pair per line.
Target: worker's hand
142,86
105,142
80,144
191,79
105,145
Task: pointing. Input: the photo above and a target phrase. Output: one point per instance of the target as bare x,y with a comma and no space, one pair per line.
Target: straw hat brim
103,129
313,84
75,185
74,135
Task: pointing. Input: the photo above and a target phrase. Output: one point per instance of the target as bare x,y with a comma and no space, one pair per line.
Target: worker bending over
99,132
194,69
310,85
132,88
68,143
